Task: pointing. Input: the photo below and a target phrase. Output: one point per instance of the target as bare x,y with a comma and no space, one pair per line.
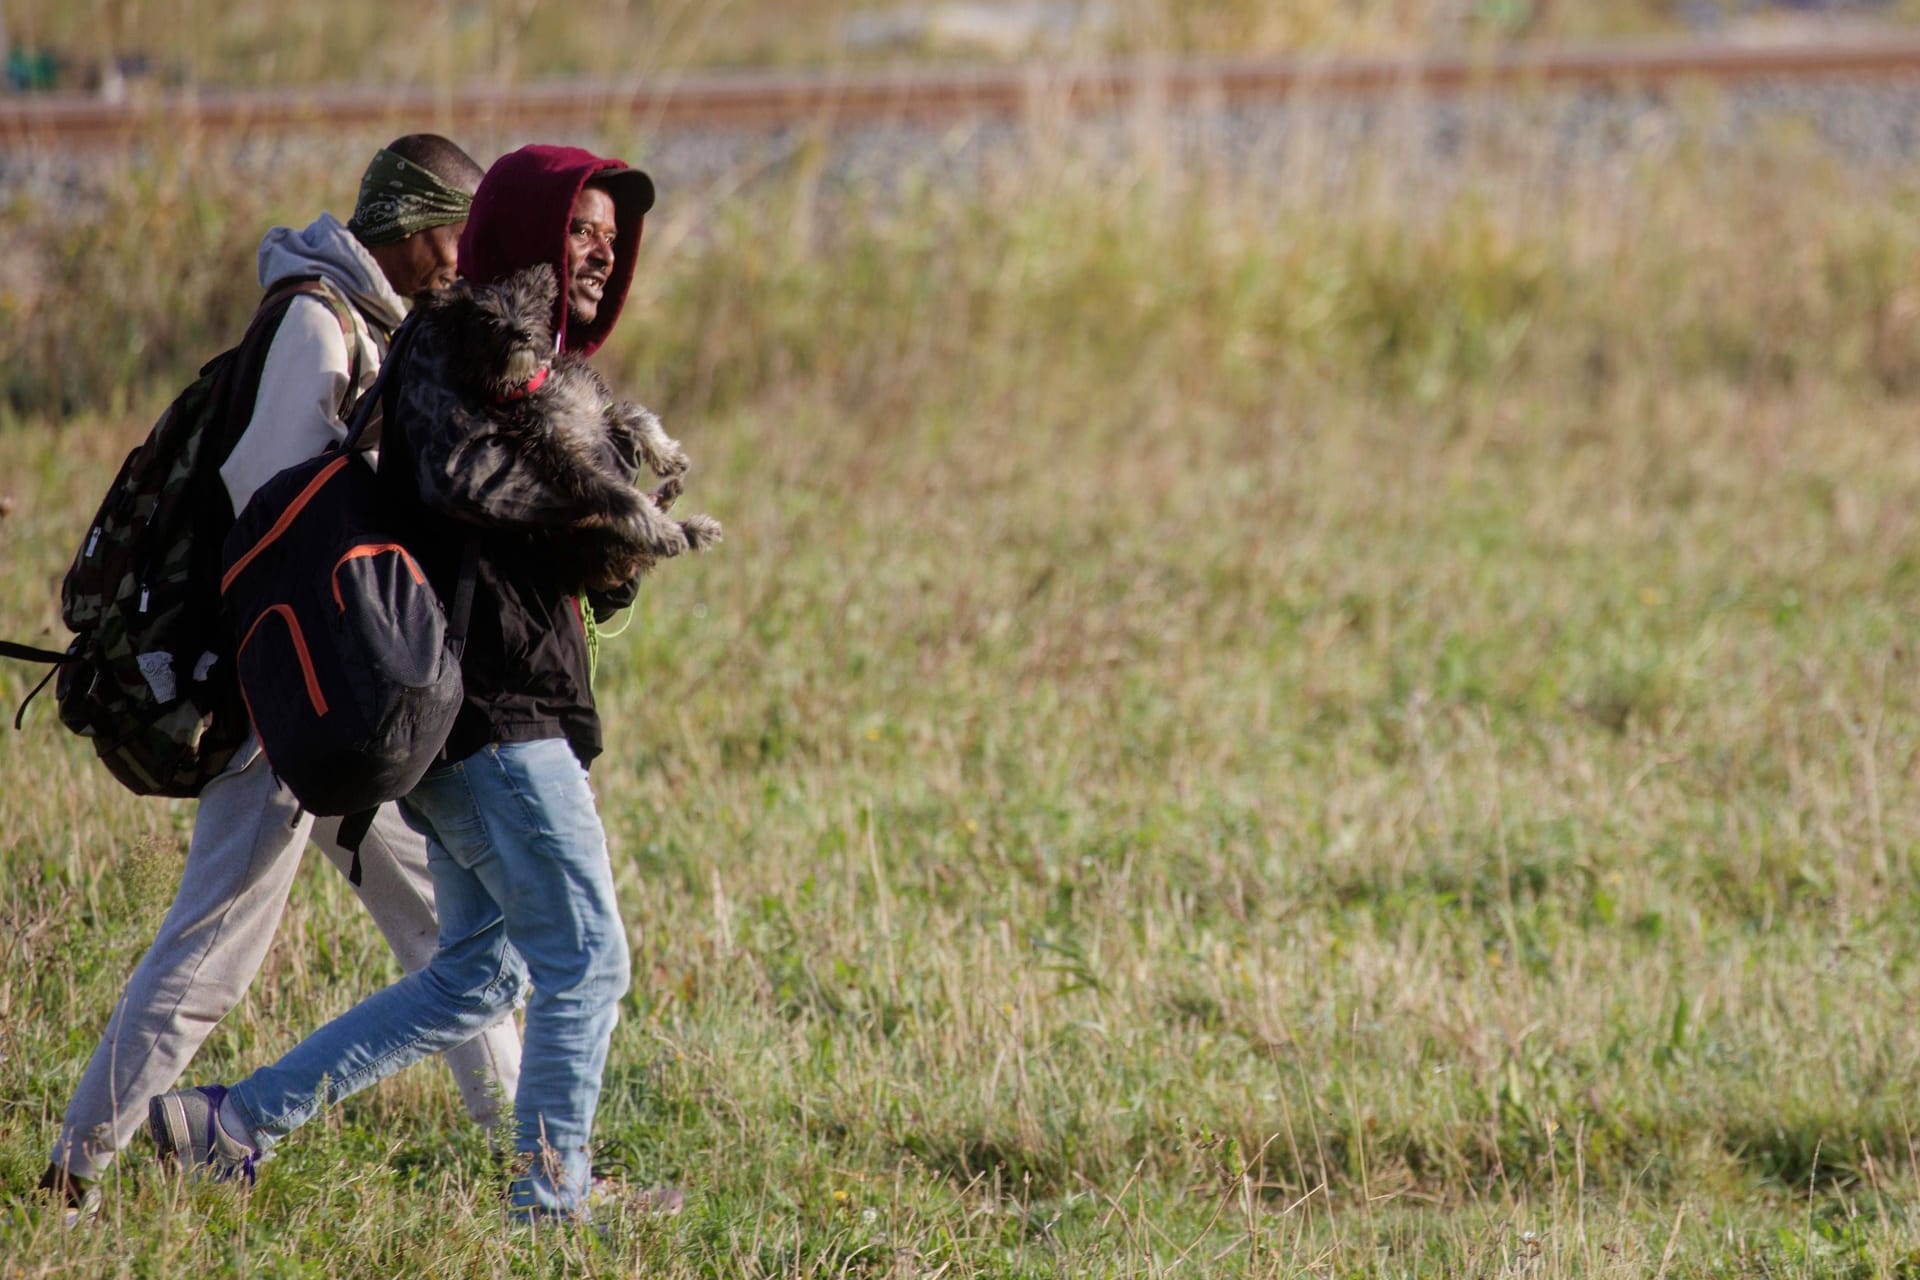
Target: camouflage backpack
148,678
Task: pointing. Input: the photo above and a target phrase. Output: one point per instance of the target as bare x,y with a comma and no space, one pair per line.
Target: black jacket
525,667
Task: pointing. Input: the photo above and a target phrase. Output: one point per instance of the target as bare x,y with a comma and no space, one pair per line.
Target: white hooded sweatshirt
296,412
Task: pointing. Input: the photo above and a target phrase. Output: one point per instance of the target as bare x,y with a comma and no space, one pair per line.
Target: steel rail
761,100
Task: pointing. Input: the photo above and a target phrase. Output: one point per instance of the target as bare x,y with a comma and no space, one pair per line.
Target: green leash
594,633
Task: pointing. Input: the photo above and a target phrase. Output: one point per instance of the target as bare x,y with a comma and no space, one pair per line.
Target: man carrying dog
249,832
520,863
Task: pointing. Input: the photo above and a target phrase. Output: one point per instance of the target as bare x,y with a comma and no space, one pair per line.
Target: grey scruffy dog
561,443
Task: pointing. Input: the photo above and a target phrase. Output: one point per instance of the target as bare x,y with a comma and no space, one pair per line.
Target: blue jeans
524,889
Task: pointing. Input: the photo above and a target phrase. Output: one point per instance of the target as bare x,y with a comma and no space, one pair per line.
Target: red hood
520,215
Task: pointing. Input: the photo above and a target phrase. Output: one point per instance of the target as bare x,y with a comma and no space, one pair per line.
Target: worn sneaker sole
83,1214
615,1195
167,1122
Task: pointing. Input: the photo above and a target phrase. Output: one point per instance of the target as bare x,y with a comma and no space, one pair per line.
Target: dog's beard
518,368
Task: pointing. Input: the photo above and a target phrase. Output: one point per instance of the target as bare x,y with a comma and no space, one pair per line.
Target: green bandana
398,198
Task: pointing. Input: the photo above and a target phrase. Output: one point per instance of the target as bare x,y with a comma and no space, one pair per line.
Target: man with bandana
249,833
520,860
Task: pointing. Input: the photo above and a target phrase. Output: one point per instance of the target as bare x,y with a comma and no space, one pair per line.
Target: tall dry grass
1245,726
267,42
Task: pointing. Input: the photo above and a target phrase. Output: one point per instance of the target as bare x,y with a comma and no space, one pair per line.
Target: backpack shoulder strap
380,396
266,318
349,317
237,370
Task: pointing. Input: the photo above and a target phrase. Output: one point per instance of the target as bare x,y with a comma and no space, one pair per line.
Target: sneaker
77,1198
187,1131
617,1196
608,1200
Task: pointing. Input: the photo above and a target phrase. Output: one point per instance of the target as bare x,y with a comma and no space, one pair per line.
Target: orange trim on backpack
294,508
318,699
373,549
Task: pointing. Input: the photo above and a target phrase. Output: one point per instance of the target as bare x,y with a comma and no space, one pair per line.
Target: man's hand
614,576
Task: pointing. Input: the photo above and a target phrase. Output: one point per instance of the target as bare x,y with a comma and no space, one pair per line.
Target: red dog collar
529,387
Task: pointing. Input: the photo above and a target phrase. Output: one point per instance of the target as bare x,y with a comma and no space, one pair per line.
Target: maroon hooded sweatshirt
525,666
520,215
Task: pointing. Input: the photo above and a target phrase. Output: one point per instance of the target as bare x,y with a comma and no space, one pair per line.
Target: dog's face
499,335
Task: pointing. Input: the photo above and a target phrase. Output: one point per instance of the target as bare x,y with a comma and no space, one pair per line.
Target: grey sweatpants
247,840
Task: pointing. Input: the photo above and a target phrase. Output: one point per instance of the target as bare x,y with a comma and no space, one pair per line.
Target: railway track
768,100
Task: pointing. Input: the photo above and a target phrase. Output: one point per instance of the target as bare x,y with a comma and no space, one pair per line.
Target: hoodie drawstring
594,633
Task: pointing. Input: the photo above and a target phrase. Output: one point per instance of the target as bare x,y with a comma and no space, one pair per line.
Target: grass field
1367,732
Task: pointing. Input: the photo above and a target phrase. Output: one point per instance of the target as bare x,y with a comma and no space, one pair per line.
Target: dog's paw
656,536
665,457
665,495
702,532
